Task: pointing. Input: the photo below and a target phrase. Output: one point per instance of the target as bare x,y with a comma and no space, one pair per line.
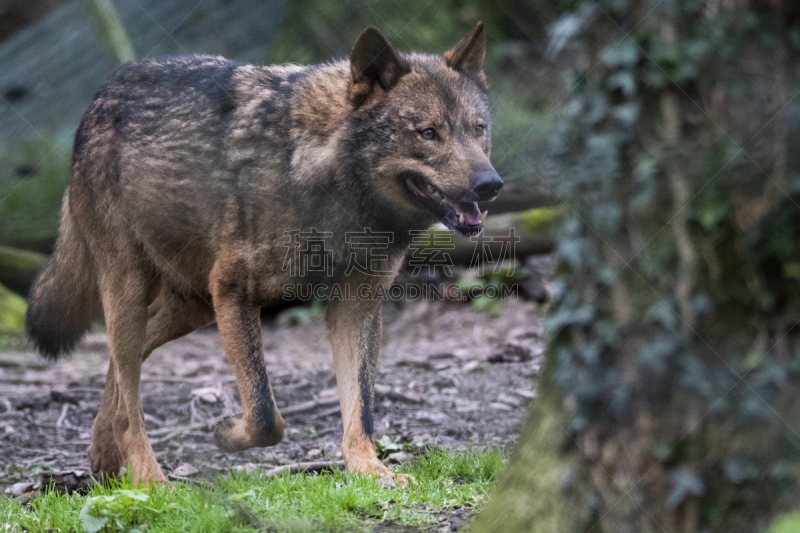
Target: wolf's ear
468,54
373,60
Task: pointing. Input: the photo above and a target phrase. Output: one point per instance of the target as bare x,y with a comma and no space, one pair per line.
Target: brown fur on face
435,130
187,174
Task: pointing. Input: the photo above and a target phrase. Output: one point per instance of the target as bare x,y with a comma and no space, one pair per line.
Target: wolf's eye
428,134
479,130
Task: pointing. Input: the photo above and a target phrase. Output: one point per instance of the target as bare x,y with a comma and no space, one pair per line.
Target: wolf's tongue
471,212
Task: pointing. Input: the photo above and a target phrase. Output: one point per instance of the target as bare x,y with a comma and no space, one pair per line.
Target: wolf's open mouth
463,217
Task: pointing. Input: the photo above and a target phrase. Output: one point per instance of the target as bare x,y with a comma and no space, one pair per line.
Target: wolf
189,172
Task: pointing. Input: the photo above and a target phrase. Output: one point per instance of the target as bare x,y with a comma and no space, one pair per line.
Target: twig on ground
175,430
326,431
309,406
70,427
314,466
63,416
193,411
7,404
84,389
193,381
332,411
153,419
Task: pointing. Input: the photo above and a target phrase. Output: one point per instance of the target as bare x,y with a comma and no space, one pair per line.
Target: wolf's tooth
483,215
438,195
460,219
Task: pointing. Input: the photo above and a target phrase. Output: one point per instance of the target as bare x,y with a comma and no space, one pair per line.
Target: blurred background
650,151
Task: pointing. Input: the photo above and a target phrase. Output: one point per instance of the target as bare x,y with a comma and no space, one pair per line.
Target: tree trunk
529,497
670,398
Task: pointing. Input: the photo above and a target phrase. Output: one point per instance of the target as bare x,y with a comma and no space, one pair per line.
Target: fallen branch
188,380
315,466
306,407
497,242
176,430
18,268
335,410
515,198
62,418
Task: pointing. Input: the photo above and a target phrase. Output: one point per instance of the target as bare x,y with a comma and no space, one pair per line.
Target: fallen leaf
21,488
208,394
185,470
511,353
382,390
386,482
513,401
472,367
397,457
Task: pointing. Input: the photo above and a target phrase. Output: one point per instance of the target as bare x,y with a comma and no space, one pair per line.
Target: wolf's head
423,127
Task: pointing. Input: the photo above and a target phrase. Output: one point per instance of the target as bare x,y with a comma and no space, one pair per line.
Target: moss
12,312
18,268
529,496
543,219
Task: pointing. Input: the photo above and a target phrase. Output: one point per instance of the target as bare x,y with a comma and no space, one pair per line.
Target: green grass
242,502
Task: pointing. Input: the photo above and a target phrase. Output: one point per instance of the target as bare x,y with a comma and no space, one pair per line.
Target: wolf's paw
146,470
405,479
105,458
389,480
233,435
229,435
373,467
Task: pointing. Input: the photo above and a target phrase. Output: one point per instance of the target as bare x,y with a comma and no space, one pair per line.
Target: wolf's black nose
487,184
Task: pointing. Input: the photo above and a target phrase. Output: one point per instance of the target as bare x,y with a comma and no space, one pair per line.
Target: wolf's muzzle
486,184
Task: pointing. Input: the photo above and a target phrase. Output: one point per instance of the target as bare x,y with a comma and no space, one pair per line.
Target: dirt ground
447,374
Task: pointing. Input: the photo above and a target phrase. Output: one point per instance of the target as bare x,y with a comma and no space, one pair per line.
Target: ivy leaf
738,470
91,523
654,354
624,81
564,317
624,53
711,210
646,172
628,113
791,270
663,313
571,250
133,495
684,482
561,32
606,217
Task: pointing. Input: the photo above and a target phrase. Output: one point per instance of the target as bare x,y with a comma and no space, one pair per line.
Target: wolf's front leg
355,331
238,320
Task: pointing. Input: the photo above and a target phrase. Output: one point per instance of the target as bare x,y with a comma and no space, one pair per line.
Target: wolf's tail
64,299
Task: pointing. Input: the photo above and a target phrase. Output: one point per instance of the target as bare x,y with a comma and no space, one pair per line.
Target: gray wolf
187,172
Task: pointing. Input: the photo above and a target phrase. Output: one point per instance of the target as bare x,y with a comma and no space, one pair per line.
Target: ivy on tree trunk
670,398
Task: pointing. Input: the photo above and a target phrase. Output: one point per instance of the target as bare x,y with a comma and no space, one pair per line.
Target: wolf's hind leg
105,456
170,317
239,326
355,331
124,295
